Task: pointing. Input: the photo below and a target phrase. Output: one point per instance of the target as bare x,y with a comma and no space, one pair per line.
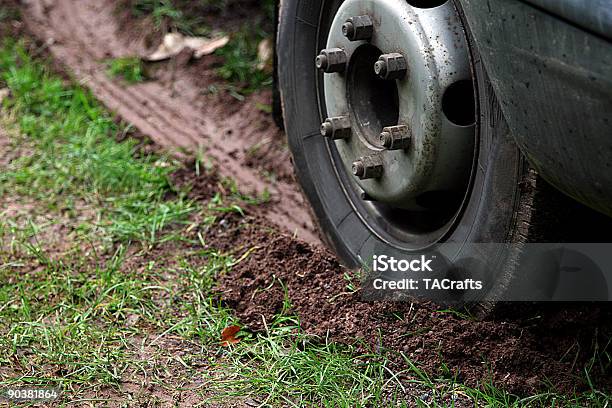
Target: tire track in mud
82,34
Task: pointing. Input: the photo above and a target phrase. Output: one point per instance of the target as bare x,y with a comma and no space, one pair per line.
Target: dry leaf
210,46
228,336
4,93
174,43
265,55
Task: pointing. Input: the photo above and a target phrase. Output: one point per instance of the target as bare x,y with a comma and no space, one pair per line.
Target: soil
178,107
518,348
203,187
10,23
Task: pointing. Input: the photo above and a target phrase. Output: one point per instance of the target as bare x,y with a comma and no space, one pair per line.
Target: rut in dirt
172,108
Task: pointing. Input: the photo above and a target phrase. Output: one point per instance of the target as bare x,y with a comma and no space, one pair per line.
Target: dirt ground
172,108
518,348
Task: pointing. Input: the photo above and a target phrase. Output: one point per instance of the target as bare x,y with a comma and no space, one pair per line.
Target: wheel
398,141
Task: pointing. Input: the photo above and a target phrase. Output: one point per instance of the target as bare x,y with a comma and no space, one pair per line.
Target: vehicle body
437,115
551,67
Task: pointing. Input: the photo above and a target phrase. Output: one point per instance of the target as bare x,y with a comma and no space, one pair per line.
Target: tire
500,201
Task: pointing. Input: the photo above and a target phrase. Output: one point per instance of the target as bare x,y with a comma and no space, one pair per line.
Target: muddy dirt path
172,108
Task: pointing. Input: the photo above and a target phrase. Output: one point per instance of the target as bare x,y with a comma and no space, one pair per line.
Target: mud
178,107
519,348
201,187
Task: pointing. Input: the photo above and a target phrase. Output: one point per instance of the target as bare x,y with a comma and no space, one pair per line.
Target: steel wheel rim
408,219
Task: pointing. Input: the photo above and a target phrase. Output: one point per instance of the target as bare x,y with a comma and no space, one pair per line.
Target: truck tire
500,193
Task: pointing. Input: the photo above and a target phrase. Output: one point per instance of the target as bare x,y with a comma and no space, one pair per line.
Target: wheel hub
398,79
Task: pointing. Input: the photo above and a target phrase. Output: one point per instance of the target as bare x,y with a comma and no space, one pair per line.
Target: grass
159,9
126,295
290,368
241,60
74,156
131,69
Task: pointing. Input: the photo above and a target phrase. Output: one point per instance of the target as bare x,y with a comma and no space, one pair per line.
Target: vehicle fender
553,80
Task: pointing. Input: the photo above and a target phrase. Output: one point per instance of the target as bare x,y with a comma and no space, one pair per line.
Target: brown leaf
174,43
208,47
4,93
228,336
265,55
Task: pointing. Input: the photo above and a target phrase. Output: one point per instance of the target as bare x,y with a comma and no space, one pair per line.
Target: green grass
241,60
166,15
131,69
283,366
75,156
128,295
63,313
170,13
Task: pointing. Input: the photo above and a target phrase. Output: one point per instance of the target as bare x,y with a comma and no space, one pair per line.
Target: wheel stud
391,66
396,137
368,167
358,28
331,60
336,128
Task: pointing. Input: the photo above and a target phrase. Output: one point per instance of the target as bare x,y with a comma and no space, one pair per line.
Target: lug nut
331,60
336,128
396,137
358,28
368,167
391,66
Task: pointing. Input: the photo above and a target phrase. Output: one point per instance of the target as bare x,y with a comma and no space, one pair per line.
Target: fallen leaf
210,46
4,93
174,43
228,336
265,55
